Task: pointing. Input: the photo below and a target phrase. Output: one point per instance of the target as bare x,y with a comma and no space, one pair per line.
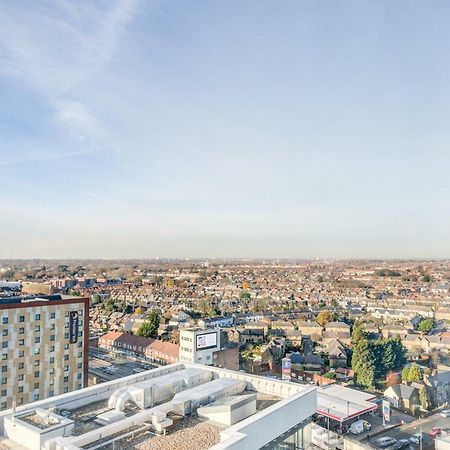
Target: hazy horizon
251,130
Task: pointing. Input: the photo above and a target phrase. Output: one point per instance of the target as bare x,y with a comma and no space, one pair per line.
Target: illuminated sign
286,365
386,411
73,325
204,341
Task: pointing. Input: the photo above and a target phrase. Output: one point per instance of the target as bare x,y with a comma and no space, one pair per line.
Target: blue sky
224,128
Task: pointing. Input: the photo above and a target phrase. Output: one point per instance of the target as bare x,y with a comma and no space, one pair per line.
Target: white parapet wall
262,428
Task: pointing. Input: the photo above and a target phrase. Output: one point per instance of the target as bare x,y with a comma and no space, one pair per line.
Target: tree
423,398
150,327
400,352
415,373
405,374
358,332
325,317
95,300
389,355
363,363
426,278
245,295
426,325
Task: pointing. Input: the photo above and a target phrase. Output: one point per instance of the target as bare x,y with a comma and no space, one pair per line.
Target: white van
359,426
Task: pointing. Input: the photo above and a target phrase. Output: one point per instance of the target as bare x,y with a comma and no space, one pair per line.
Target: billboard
286,365
73,327
206,340
386,411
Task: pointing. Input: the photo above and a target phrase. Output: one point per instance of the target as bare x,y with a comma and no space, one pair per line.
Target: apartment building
44,347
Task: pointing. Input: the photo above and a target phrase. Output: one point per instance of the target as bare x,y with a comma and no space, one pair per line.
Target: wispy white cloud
42,157
77,118
54,47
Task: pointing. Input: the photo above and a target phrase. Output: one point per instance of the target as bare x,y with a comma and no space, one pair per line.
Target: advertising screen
207,340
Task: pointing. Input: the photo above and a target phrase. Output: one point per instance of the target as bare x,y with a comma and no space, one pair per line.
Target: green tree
415,373
426,325
150,327
358,332
426,278
405,374
389,355
400,352
96,299
423,398
364,363
245,295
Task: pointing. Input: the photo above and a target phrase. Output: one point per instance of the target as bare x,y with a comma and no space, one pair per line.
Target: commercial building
198,345
44,347
203,346
178,406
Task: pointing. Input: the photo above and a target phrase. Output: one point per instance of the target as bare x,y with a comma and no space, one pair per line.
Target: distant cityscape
372,338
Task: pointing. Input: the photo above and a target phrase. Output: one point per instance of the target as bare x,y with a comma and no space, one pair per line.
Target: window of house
37,317
21,318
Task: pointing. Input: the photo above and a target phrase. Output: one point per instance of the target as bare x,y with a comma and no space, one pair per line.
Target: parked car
401,443
445,413
415,438
434,432
385,441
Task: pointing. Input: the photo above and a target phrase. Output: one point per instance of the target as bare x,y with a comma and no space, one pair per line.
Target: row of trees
371,361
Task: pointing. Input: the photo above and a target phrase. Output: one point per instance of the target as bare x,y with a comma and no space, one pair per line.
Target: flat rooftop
341,403
180,406
37,298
